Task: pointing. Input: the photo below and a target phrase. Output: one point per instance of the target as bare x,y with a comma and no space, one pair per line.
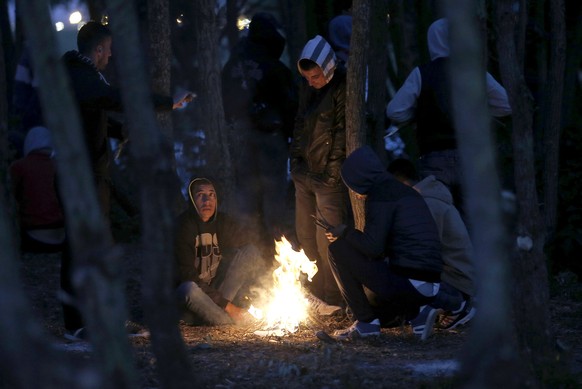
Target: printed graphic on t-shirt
207,256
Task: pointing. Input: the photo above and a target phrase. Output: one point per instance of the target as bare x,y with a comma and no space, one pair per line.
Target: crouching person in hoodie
215,260
392,267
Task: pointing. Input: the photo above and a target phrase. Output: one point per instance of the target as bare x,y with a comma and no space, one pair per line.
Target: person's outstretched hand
182,100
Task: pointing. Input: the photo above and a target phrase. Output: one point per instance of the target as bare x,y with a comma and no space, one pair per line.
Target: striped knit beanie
320,52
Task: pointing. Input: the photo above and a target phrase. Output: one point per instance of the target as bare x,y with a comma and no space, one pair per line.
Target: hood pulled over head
320,52
438,39
194,184
363,169
264,30
37,138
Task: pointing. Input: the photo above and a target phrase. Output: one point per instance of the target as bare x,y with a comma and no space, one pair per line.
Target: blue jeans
370,288
236,270
313,197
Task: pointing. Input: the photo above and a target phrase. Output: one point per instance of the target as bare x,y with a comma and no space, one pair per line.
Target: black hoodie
399,225
199,246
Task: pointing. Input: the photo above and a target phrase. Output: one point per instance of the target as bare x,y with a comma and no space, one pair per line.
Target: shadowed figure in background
217,260
260,102
33,181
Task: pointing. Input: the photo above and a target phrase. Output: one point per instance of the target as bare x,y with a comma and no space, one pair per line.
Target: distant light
59,26
242,23
180,20
75,17
105,19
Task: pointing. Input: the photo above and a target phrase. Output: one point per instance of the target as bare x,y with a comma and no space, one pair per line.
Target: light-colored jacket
457,250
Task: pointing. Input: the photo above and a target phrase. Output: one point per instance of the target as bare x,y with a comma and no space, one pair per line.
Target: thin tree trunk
531,294
483,366
212,120
156,171
553,113
96,261
377,73
356,84
27,360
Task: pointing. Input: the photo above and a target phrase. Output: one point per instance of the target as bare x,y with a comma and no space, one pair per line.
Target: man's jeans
315,198
236,270
370,289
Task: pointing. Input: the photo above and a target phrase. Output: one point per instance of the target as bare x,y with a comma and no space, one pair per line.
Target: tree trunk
483,366
377,73
211,119
531,294
27,360
356,84
293,19
96,261
552,118
156,170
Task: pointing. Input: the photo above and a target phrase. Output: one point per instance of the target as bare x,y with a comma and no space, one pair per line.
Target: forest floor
235,357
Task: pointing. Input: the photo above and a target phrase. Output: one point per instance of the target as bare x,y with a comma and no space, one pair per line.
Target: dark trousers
370,288
313,197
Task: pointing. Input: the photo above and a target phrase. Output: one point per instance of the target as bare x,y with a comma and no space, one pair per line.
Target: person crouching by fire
216,259
397,257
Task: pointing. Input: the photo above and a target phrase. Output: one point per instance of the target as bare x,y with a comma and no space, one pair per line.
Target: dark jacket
257,88
399,225
319,139
95,97
199,247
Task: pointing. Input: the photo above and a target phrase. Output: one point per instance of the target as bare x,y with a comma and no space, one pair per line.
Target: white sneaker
321,307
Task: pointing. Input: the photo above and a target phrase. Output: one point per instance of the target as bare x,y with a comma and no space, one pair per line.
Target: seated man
392,267
33,179
215,259
457,287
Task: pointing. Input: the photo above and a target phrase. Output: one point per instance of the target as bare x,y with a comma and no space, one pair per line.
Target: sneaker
422,325
359,329
321,307
77,335
459,317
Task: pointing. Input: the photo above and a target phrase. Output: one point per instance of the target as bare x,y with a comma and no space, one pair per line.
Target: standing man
393,267
260,102
425,98
317,152
95,97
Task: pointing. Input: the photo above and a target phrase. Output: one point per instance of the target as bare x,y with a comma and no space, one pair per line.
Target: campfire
285,306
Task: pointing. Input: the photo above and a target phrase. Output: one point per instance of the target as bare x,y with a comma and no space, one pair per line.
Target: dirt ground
234,357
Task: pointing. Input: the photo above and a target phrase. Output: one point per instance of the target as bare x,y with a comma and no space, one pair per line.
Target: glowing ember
286,305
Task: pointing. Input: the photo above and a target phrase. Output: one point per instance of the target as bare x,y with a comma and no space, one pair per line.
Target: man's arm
497,98
402,107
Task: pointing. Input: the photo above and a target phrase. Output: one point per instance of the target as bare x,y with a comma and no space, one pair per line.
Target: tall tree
96,260
211,119
156,169
483,366
552,117
355,90
531,292
377,72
